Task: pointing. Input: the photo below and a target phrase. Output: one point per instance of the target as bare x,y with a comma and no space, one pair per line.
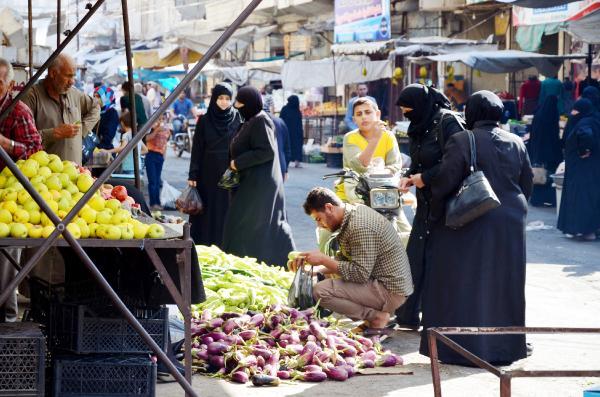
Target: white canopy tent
330,72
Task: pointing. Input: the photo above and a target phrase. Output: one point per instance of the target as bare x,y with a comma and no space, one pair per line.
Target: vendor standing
62,113
20,139
372,263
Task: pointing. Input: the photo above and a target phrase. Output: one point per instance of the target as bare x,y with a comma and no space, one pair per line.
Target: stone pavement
563,290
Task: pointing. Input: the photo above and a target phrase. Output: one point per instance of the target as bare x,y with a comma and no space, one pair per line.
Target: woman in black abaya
292,116
579,207
210,159
256,224
477,273
545,149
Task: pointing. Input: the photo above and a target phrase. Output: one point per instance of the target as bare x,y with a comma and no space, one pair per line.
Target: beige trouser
357,301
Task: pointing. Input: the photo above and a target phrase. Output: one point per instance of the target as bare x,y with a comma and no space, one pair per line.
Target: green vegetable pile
235,285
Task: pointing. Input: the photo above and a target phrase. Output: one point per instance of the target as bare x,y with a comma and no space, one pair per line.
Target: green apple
64,179
88,214
3,180
155,231
6,172
126,231
83,227
36,231
5,216
18,230
65,194
64,204
53,205
41,157
71,171
10,195
23,197
11,206
74,229
101,230
31,205
140,230
4,230
34,216
118,219
11,180
37,179
55,194
84,182
77,196
97,203
21,216
30,168
71,188
112,232
46,195
44,172
45,221
55,164
40,187
93,229
53,183
113,204
103,217
48,229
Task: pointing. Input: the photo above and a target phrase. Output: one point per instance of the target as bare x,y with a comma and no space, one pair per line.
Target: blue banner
362,20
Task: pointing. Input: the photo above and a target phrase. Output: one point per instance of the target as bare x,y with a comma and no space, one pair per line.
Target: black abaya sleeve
197,150
451,173
449,127
261,149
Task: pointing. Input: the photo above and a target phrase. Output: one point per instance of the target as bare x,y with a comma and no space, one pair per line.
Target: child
126,136
156,142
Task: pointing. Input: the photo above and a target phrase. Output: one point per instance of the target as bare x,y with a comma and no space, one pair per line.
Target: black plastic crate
80,329
22,359
104,376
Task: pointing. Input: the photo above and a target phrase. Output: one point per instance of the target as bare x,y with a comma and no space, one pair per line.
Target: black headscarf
424,102
593,95
219,118
483,105
293,101
585,108
252,101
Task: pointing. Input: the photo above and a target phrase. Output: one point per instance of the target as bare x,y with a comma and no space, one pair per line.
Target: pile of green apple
61,184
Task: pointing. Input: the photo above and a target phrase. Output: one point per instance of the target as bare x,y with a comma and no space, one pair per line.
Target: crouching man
372,265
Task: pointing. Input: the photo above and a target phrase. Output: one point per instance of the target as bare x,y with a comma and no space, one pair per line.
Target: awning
536,3
320,73
586,28
439,45
362,47
508,61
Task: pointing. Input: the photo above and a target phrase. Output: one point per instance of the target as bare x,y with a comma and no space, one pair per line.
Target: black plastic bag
189,202
89,143
229,180
301,291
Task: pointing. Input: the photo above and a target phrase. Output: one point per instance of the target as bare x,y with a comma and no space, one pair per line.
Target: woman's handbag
540,175
229,180
90,142
475,196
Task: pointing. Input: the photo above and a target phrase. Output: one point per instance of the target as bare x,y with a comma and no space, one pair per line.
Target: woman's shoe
589,237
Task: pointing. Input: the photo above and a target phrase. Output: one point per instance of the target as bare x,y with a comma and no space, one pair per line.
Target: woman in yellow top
364,146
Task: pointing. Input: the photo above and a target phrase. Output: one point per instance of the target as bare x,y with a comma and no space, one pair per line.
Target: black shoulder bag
475,196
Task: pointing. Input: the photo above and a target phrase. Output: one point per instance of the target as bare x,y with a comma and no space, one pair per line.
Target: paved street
563,289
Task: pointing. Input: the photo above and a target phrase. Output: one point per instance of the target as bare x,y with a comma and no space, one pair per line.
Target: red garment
20,127
530,89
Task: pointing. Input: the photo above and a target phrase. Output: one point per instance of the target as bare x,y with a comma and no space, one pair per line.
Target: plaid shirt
20,127
370,249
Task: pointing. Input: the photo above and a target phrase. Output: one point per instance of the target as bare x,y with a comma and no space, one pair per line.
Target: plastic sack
301,291
229,180
168,195
189,202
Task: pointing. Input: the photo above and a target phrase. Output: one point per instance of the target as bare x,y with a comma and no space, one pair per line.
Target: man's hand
191,183
66,131
405,183
232,165
313,258
417,180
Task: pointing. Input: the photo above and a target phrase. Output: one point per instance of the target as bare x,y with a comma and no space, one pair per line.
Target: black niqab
585,108
252,101
424,102
219,118
483,106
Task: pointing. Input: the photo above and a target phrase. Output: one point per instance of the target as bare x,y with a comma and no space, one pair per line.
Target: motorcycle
378,189
183,138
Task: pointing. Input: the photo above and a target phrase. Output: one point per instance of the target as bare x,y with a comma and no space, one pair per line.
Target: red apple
120,193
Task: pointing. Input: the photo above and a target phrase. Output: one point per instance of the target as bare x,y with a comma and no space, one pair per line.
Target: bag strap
473,149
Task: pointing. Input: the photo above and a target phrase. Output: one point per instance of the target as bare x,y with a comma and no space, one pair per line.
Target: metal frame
440,334
150,245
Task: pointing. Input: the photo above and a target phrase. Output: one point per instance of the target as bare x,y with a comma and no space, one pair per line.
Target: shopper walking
210,159
579,213
477,273
431,124
291,115
529,94
256,224
156,142
545,150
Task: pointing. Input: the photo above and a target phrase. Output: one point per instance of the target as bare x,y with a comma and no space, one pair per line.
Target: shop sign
362,20
566,12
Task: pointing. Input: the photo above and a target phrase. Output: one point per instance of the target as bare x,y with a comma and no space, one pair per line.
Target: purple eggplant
311,338
283,343
276,333
311,376
260,361
351,370
206,315
312,368
349,351
337,373
274,359
216,361
275,320
265,380
294,337
217,348
370,355
248,334
368,363
229,326
257,320
284,374
330,342
262,352
388,360
249,361
350,361
216,335
202,354
206,340
240,377
308,313
323,356
368,343
227,316
304,333
215,323
317,330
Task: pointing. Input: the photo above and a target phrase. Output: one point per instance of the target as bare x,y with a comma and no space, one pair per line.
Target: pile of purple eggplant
282,343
